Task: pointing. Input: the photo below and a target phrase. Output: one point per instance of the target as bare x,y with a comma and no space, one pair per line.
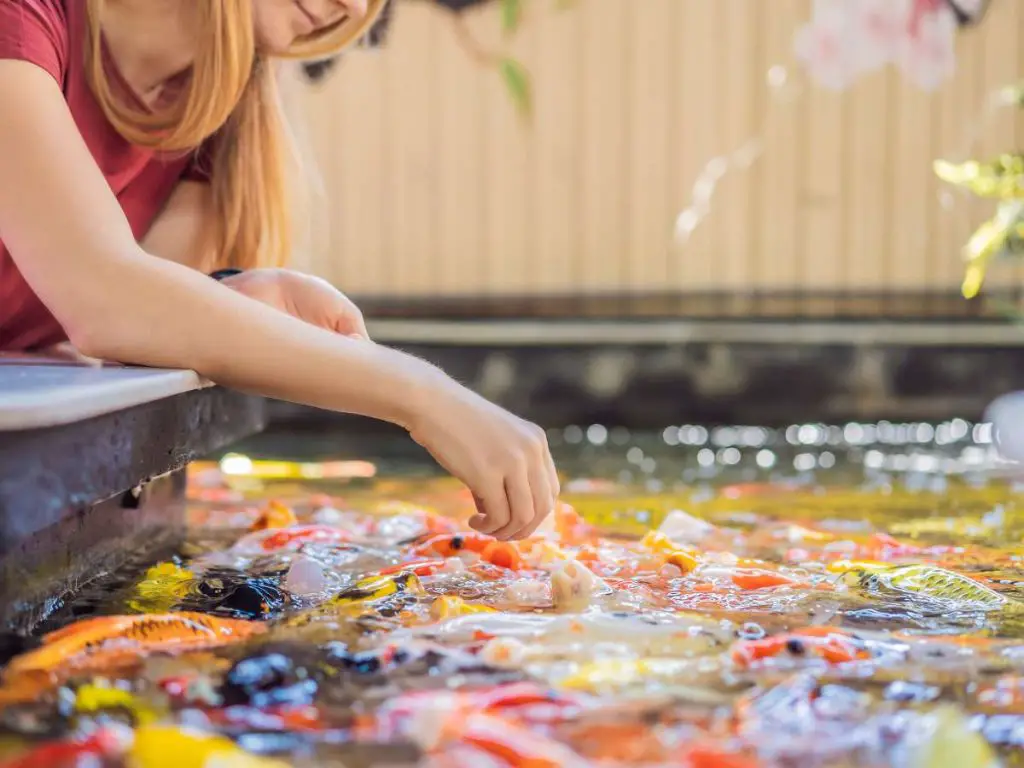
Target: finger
543,501
345,324
520,500
554,484
479,520
346,319
495,510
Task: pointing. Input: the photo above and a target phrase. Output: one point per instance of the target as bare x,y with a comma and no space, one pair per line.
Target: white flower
825,49
928,56
878,29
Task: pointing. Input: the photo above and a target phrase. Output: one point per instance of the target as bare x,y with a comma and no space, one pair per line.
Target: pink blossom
848,38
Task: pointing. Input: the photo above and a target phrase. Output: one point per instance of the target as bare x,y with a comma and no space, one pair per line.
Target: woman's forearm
171,316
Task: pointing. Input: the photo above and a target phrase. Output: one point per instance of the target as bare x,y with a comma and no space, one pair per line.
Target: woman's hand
504,460
306,297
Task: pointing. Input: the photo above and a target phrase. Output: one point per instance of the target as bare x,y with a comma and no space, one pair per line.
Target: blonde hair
232,92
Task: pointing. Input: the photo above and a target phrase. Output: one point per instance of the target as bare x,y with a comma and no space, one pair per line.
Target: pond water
846,595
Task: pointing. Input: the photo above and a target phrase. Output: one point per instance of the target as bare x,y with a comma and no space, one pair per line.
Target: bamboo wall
434,186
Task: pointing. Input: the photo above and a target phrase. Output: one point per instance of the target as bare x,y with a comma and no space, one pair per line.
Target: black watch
220,274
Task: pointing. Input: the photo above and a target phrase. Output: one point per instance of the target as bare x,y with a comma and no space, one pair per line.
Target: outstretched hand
303,296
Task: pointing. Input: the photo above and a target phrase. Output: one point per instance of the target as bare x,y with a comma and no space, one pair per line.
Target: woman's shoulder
36,31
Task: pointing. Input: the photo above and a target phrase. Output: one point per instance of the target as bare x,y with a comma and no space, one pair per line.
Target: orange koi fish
490,550
275,515
290,539
833,645
102,642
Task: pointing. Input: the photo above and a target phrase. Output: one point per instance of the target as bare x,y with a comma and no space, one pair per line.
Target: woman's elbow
94,340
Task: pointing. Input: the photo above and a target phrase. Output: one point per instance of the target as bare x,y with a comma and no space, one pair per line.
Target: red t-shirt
51,34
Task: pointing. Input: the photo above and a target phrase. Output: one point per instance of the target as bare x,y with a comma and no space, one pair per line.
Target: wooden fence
433,185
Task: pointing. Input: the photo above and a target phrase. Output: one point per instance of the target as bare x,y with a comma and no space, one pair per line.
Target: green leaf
511,15
518,83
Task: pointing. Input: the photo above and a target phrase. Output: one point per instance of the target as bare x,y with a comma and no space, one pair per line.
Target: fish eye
796,646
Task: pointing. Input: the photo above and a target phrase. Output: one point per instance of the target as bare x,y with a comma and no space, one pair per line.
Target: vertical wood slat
697,138
434,186
555,171
649,111
778,223
863,174
408,166
604,177
508,238
459,207
739,84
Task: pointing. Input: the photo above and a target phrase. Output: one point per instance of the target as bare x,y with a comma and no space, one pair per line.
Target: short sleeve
35,31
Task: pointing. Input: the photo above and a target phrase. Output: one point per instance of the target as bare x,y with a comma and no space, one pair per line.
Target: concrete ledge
79,448
34,395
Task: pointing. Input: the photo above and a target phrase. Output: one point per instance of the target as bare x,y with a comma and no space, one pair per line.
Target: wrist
419,391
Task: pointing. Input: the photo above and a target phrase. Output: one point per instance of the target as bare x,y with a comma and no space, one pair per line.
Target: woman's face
280,23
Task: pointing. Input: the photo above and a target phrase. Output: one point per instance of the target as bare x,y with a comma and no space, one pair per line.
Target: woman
141,147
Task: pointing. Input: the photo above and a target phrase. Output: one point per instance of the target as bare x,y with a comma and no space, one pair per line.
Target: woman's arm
177,235
177,232
72,243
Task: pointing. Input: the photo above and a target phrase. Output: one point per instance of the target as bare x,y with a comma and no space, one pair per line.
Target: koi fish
161,588
833,645
929,582
751,579
290,539
573,586
573,529
98,643
379,587
613,673
516,745
166,746
945,739
449,606
509,700
275,515
437,720
107,742
92,698
380,596
422,567
501,553
673,554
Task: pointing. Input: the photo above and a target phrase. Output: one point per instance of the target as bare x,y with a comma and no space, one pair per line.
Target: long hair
231,95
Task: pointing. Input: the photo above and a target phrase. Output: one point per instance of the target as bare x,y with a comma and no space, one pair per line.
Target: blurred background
649,211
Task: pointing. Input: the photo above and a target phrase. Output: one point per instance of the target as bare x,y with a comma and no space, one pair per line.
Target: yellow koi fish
930,582
172,747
